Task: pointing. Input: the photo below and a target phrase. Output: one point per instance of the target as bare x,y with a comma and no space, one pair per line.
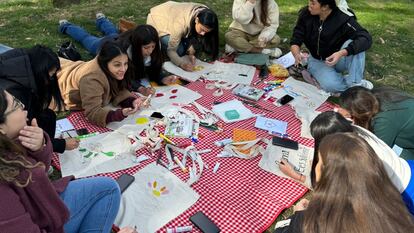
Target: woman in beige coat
185,28
92,85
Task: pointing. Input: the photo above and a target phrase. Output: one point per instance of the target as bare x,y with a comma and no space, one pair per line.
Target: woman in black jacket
30,76
337,44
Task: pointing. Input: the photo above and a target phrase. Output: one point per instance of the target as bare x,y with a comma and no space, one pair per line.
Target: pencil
166,139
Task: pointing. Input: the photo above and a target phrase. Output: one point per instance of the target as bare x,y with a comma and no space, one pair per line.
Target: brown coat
174,19
84,86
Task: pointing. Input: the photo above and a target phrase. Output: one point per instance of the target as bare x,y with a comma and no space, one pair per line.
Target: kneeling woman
185,28
94,84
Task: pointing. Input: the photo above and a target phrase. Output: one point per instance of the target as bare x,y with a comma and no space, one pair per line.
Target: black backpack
68,50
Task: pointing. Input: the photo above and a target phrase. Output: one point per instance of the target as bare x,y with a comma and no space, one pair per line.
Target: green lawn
390,61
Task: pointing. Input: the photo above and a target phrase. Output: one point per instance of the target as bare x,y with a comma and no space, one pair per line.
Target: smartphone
204,223
284,142
82,131
285,99
124,181
157,115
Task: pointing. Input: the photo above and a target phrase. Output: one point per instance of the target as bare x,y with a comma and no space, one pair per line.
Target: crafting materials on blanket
306,117
307,96
219,86
300,159
166,96
231,73
232,111
271,125
244,145
200,69
248,92
181,122
156,197
106,152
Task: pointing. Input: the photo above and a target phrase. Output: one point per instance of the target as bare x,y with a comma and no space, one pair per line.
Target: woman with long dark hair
92,85
29,201
336,42
185,28
352,194
254,27
30,76
387,112
144,51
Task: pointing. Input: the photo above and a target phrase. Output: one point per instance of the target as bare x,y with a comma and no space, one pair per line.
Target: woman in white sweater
254,27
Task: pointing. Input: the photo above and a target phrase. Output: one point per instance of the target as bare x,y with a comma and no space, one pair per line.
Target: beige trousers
243,42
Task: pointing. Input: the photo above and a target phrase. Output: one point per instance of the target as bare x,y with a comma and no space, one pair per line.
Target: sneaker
228,49
63,21
275,52
365,83
100,15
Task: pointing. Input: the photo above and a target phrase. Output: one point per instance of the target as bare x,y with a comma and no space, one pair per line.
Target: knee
106,184
228,36
329,85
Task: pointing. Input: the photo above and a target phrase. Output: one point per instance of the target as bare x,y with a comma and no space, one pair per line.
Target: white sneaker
365,83
63,21
100,15
229,49
275,52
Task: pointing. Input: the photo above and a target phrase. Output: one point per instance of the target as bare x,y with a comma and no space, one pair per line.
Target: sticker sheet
156,197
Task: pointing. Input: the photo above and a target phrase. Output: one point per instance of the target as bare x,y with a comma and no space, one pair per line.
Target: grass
24,23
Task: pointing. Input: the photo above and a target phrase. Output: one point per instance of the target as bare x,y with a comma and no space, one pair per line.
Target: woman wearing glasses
30,76
185,28
29,201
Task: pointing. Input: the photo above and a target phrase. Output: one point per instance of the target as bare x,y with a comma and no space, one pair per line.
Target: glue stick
179,229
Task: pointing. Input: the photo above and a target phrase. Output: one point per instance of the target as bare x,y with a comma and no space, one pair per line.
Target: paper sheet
286,60
231,73
301,159
167,95
63,125
155,197
271,125
233,105
202,68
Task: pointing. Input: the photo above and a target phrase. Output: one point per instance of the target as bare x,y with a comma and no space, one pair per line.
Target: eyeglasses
17,104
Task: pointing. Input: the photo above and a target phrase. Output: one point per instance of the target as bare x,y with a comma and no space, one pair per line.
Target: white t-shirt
397,168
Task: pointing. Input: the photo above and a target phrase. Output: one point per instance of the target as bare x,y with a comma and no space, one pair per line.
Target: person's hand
146,90
287,169
261,42
298,59
127,230
32,136
334,58
192,59
301,205
344,113
169,80
187,67
71,143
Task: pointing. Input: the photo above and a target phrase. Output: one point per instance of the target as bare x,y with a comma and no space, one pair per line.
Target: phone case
124,181
285,99
284,142
204,223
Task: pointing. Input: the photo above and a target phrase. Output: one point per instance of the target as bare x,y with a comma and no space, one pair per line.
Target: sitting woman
92,85
399,171
254,27
143,50
388,113
30,76
352,193
337,44
29,201
185,28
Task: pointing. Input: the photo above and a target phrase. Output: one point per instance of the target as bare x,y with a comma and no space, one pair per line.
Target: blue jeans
408,194
182,47
331,78
90,42
93,204
4,48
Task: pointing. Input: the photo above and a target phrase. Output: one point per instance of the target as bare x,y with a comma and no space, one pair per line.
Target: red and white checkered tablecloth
240,197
